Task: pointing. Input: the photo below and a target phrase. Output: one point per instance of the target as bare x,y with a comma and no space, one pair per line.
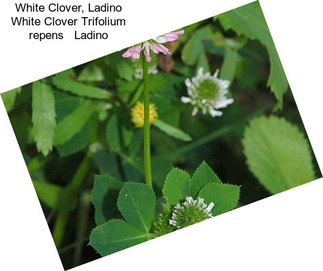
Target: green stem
68,200
70,194
82,222
147,158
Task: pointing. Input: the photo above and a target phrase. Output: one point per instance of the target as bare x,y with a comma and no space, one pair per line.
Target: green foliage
176,187
205,184
48,193
9,98
171,131
277,153
43,118
125,69
228,68
224,196
167,112
91,73
202,176
104,194
77,143
161,225
117,134
136,203
249,21
193,50
80,89
74,122
114,236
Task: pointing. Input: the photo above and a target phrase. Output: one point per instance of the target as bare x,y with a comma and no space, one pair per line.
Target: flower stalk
147,155
143,49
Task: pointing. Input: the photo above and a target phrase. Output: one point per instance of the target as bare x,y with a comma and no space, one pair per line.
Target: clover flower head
190,212
137,114
154,45
208,93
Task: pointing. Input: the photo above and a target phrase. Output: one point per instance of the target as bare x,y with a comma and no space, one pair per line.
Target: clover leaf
105,192
224,196
202,176
204,184
136,203
176,187
114,236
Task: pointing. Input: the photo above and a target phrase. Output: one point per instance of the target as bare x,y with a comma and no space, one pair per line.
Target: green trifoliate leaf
248,20
44,117
137,203
202,176
74,122
277,154
115,235
48,193
9,98
104,195
80,89
171,130
177,186
224,196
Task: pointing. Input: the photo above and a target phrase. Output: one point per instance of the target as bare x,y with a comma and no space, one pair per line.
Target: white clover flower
190,212
208,93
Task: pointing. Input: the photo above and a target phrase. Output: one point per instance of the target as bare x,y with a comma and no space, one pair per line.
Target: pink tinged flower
147,55
133,52
172,36
156,48
155,45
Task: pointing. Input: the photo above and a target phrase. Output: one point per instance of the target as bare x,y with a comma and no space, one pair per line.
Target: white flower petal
188,82
200,71
194,112
224,103
225,84
189,199
215,113
186,100
210,207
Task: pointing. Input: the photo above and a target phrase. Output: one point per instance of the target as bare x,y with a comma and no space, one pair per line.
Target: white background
283,232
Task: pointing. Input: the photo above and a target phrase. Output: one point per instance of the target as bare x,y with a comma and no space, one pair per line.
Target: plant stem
147,158
82,222
68,199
